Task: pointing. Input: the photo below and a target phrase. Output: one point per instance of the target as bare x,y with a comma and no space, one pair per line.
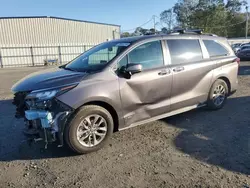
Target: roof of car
144,37
247,45
136,38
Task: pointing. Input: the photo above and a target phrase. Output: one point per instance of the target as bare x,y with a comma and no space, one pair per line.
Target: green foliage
168,17
125,34
213,16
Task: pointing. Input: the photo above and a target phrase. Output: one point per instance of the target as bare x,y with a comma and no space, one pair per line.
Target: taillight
237,60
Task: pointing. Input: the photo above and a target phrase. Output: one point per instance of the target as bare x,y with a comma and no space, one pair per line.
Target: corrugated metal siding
52,31
73,36
30,56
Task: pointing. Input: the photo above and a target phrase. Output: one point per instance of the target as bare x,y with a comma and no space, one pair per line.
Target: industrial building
31,41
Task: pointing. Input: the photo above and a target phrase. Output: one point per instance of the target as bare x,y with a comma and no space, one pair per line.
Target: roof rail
183,31
180,31
210,34
191,31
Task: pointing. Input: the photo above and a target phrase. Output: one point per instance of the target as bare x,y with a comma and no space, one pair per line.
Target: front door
146,94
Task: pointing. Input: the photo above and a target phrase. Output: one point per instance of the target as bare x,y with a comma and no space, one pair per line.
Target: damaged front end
45,117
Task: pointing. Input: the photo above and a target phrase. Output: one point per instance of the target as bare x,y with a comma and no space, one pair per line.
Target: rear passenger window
184,50
215,49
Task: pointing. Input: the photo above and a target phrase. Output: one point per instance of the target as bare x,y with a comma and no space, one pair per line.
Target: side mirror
134,68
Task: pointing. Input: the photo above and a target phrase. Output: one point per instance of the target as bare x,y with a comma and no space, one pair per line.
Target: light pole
154,23
246,21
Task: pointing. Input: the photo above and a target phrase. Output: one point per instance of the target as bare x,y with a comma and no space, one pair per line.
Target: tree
141,31
164,30
235,5
213,16
167,17
239,29
138,30
183,10
125,34
152,30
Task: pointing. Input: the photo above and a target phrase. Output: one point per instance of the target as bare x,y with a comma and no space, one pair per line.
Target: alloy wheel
92,130
219,95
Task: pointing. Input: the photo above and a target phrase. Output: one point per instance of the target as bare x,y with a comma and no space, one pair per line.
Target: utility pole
154,24
246,21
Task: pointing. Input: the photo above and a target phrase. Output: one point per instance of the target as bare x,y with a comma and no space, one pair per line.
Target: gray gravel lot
196,149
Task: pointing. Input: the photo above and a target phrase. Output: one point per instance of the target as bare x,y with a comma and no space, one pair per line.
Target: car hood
49,78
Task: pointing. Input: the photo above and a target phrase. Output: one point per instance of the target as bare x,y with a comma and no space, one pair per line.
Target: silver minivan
123,83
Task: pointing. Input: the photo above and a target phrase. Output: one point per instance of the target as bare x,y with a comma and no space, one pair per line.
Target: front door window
149,55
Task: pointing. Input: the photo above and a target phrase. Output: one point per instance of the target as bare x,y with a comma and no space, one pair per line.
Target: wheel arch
108,107
224,78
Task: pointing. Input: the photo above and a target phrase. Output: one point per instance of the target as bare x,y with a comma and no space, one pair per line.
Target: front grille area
19,102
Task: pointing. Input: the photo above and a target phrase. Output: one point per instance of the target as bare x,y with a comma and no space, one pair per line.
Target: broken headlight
42,95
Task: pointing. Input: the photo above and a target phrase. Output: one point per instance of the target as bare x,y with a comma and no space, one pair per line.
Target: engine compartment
44,119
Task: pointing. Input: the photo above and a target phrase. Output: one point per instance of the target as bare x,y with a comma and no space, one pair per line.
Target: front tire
218,95
89,129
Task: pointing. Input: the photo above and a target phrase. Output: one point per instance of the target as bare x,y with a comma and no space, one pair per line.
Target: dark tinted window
122,63
149,55
245,48
184,51
215,49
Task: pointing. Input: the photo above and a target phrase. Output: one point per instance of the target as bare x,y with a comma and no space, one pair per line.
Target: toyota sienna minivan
123,83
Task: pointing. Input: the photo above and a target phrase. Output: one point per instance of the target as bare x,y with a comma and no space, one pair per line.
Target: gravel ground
195,149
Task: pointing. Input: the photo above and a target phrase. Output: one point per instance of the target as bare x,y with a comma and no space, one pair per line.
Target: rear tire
217,95
89,129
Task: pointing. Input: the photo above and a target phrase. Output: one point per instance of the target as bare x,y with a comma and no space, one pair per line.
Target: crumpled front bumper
52,126
45,117
45,124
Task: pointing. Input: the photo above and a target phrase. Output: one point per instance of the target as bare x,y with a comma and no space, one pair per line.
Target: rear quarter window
215,49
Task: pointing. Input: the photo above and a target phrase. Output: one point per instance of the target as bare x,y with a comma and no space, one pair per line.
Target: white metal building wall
238,40
50,31
53,31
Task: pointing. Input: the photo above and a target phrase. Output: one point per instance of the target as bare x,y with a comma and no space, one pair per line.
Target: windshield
97,57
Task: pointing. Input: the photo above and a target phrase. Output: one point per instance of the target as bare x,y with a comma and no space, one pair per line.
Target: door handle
164,72
178,69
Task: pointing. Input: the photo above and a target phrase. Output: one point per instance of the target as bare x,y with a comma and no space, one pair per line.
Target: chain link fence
39,55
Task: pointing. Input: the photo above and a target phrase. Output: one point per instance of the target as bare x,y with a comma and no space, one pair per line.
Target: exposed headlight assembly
44,94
